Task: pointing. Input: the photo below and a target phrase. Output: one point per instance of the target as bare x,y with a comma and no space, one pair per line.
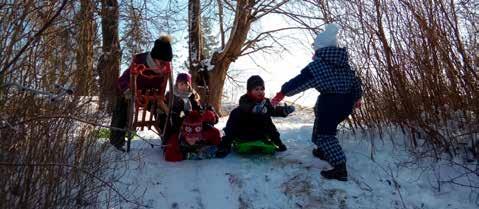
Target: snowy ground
291,179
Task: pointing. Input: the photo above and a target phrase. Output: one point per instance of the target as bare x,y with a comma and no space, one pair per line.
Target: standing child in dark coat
251,120
158,59
340,91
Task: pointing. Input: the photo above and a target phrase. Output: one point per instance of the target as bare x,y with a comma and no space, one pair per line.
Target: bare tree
50,155
109,64
85,38
234,45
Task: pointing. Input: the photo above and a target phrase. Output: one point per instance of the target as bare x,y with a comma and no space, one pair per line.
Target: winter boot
338,172
120,148
281,147
224,148
319,154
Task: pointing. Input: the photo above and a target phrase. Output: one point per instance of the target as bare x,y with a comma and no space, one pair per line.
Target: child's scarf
185,96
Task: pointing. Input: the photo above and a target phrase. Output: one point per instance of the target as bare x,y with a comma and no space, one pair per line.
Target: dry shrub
418,60
49,154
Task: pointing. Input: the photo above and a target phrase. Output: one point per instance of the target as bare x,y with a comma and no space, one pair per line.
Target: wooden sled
145,104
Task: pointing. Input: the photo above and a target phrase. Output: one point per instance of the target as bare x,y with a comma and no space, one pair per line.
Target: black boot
317,153
339,173
119,147
224,148
281,147
222,152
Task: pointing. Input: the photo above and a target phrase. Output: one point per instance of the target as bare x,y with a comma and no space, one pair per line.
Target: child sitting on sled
249,128
185,100
198,138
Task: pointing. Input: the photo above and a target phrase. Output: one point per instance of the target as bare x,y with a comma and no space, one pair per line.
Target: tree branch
35,38
108,184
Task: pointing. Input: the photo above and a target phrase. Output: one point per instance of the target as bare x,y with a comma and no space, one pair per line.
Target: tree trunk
109,64
86,32
195,47
230,53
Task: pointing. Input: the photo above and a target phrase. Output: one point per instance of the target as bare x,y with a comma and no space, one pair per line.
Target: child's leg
274,135
330,111
119,120
332,151
231,130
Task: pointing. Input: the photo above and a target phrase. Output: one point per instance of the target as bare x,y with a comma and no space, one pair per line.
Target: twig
83,121
108,184
35,38
52,97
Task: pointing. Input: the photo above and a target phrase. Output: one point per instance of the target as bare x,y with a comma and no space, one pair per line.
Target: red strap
172,151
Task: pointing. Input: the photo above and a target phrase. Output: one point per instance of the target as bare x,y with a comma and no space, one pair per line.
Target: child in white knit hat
340,91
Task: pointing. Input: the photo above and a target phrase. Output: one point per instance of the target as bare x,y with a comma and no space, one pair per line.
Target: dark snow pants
119,119
330,111
249,127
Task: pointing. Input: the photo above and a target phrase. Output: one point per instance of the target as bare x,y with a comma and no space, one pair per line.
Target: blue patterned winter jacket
329,73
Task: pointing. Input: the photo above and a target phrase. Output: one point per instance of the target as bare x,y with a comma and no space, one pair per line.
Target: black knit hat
253,82
162,49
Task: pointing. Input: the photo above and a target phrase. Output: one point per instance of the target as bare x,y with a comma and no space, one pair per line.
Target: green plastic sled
254,147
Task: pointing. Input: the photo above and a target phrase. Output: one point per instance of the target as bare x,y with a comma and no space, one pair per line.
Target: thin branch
108,184
83,121
256,14
36,37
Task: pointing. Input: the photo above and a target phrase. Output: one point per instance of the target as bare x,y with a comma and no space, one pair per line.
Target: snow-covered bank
291,179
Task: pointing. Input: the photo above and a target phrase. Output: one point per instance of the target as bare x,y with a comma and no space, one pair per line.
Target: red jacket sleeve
172,151
212,136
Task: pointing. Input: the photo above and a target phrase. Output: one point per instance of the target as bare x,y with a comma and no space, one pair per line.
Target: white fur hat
327,37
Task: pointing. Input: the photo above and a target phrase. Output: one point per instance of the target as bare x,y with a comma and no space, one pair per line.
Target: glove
358,104
127,94
288,109
260,108
276,99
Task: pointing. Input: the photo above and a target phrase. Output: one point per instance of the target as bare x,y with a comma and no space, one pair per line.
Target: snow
291,179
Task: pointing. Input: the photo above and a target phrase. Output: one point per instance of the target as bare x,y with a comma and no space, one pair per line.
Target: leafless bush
418,61
50,155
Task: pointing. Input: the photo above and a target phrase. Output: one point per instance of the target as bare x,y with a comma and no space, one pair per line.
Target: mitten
358,104
127,94
288,109
276,99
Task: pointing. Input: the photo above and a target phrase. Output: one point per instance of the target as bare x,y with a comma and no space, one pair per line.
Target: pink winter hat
183,77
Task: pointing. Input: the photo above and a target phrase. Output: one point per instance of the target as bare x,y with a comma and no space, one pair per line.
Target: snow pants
119,119
330,110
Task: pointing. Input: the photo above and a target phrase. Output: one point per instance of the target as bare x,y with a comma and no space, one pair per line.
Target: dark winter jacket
178,110
244,124
329,73
246,105
142,82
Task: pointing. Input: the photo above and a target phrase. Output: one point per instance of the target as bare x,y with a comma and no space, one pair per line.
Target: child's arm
300,83
280,110
244,105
